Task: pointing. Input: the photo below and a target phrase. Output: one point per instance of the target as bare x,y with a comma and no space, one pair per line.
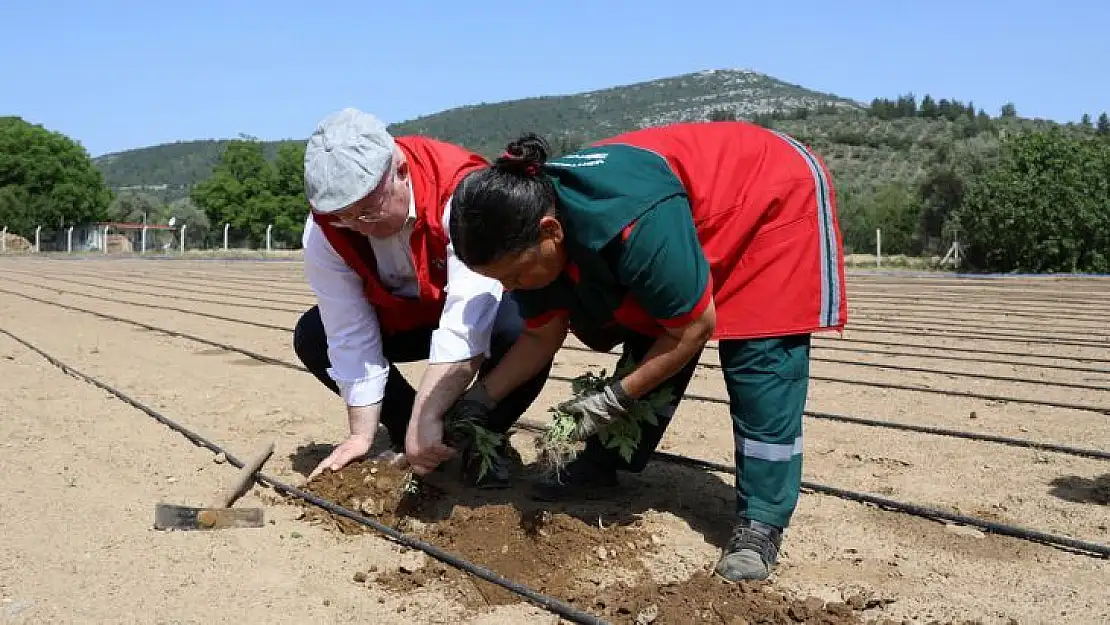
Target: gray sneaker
751,553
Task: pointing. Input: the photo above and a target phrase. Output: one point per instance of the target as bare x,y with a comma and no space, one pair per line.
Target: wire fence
129,239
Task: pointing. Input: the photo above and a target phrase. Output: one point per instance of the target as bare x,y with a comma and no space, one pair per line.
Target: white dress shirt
358,365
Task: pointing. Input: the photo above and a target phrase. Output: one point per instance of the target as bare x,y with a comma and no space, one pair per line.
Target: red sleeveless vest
436,168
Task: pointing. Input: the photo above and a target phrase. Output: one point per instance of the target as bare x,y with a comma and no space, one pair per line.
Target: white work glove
598,410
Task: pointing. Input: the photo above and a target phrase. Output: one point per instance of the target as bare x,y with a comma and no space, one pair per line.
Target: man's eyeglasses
370,209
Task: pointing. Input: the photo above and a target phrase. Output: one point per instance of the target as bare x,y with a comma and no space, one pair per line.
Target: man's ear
551,229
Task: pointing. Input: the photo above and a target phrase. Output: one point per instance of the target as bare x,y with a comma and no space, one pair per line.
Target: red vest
436,168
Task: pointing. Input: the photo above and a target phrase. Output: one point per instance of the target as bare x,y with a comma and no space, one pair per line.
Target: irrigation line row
960,324
983,376
971,304
817,338
958,331
876,365
177,285
549,603
892,425
887,385
174,296
898,317
1009,337
990,361
1097,295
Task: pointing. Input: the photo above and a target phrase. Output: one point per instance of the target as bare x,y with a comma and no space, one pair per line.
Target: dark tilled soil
599,568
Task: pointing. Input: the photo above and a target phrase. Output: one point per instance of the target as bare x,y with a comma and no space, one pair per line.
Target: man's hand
424,447
597,410
356,446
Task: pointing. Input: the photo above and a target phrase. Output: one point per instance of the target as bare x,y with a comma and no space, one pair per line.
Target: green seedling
557,445
468,433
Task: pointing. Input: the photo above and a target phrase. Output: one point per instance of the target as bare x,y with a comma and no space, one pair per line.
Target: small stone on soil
647,615
360,577
413,562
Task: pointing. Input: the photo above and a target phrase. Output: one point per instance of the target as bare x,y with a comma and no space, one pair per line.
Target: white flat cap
345,159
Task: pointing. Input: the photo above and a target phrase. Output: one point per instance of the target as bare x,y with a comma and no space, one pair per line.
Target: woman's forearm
528,356
668,355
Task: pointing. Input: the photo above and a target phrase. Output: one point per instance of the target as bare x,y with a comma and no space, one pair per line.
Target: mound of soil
601,569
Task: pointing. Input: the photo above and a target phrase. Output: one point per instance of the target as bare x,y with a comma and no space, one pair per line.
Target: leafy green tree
722,115
1045,207
131,206
46,179
929,109
1103,127
1009,110
1086,121
250,193
893,208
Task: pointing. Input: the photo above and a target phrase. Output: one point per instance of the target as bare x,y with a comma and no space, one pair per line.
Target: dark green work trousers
767,382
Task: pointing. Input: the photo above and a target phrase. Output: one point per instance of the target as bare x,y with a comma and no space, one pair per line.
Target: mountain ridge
170,168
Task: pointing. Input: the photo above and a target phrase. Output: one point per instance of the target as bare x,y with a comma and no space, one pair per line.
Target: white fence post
878,247
268,229
4,239
142,244
182,238
226,226
38,248
106,239
69,240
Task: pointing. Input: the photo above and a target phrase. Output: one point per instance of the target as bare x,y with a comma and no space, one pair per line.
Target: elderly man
389,289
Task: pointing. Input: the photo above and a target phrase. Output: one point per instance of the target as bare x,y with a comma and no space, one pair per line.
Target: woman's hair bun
524,155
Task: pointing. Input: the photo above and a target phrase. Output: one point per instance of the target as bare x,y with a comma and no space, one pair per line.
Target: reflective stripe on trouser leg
767,381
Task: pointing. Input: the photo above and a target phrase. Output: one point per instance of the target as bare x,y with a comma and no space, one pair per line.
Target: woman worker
661,239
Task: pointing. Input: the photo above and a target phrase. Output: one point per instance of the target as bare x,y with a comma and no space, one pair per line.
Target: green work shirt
633,254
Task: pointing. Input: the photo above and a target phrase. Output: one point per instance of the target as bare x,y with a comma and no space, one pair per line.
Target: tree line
1036,201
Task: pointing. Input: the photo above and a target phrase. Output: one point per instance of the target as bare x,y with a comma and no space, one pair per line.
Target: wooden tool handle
234,490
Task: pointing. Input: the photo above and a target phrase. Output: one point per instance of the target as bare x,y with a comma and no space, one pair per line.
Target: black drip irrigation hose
894,367
257,306
254,305
1081,546
818,337
1030,307
549,603
1051,329
893,425
982,335
988,361
821,340
940,326
887,385
908,387
178,283
194,287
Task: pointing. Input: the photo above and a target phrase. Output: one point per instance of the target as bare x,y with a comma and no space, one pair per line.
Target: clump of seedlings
468,434
558,445
462,434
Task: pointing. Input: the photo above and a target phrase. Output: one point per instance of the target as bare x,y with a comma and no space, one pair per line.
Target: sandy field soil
207,343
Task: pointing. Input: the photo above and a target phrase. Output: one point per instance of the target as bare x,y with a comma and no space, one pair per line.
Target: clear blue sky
116,75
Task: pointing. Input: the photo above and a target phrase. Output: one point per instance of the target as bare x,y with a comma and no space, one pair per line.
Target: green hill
169,169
